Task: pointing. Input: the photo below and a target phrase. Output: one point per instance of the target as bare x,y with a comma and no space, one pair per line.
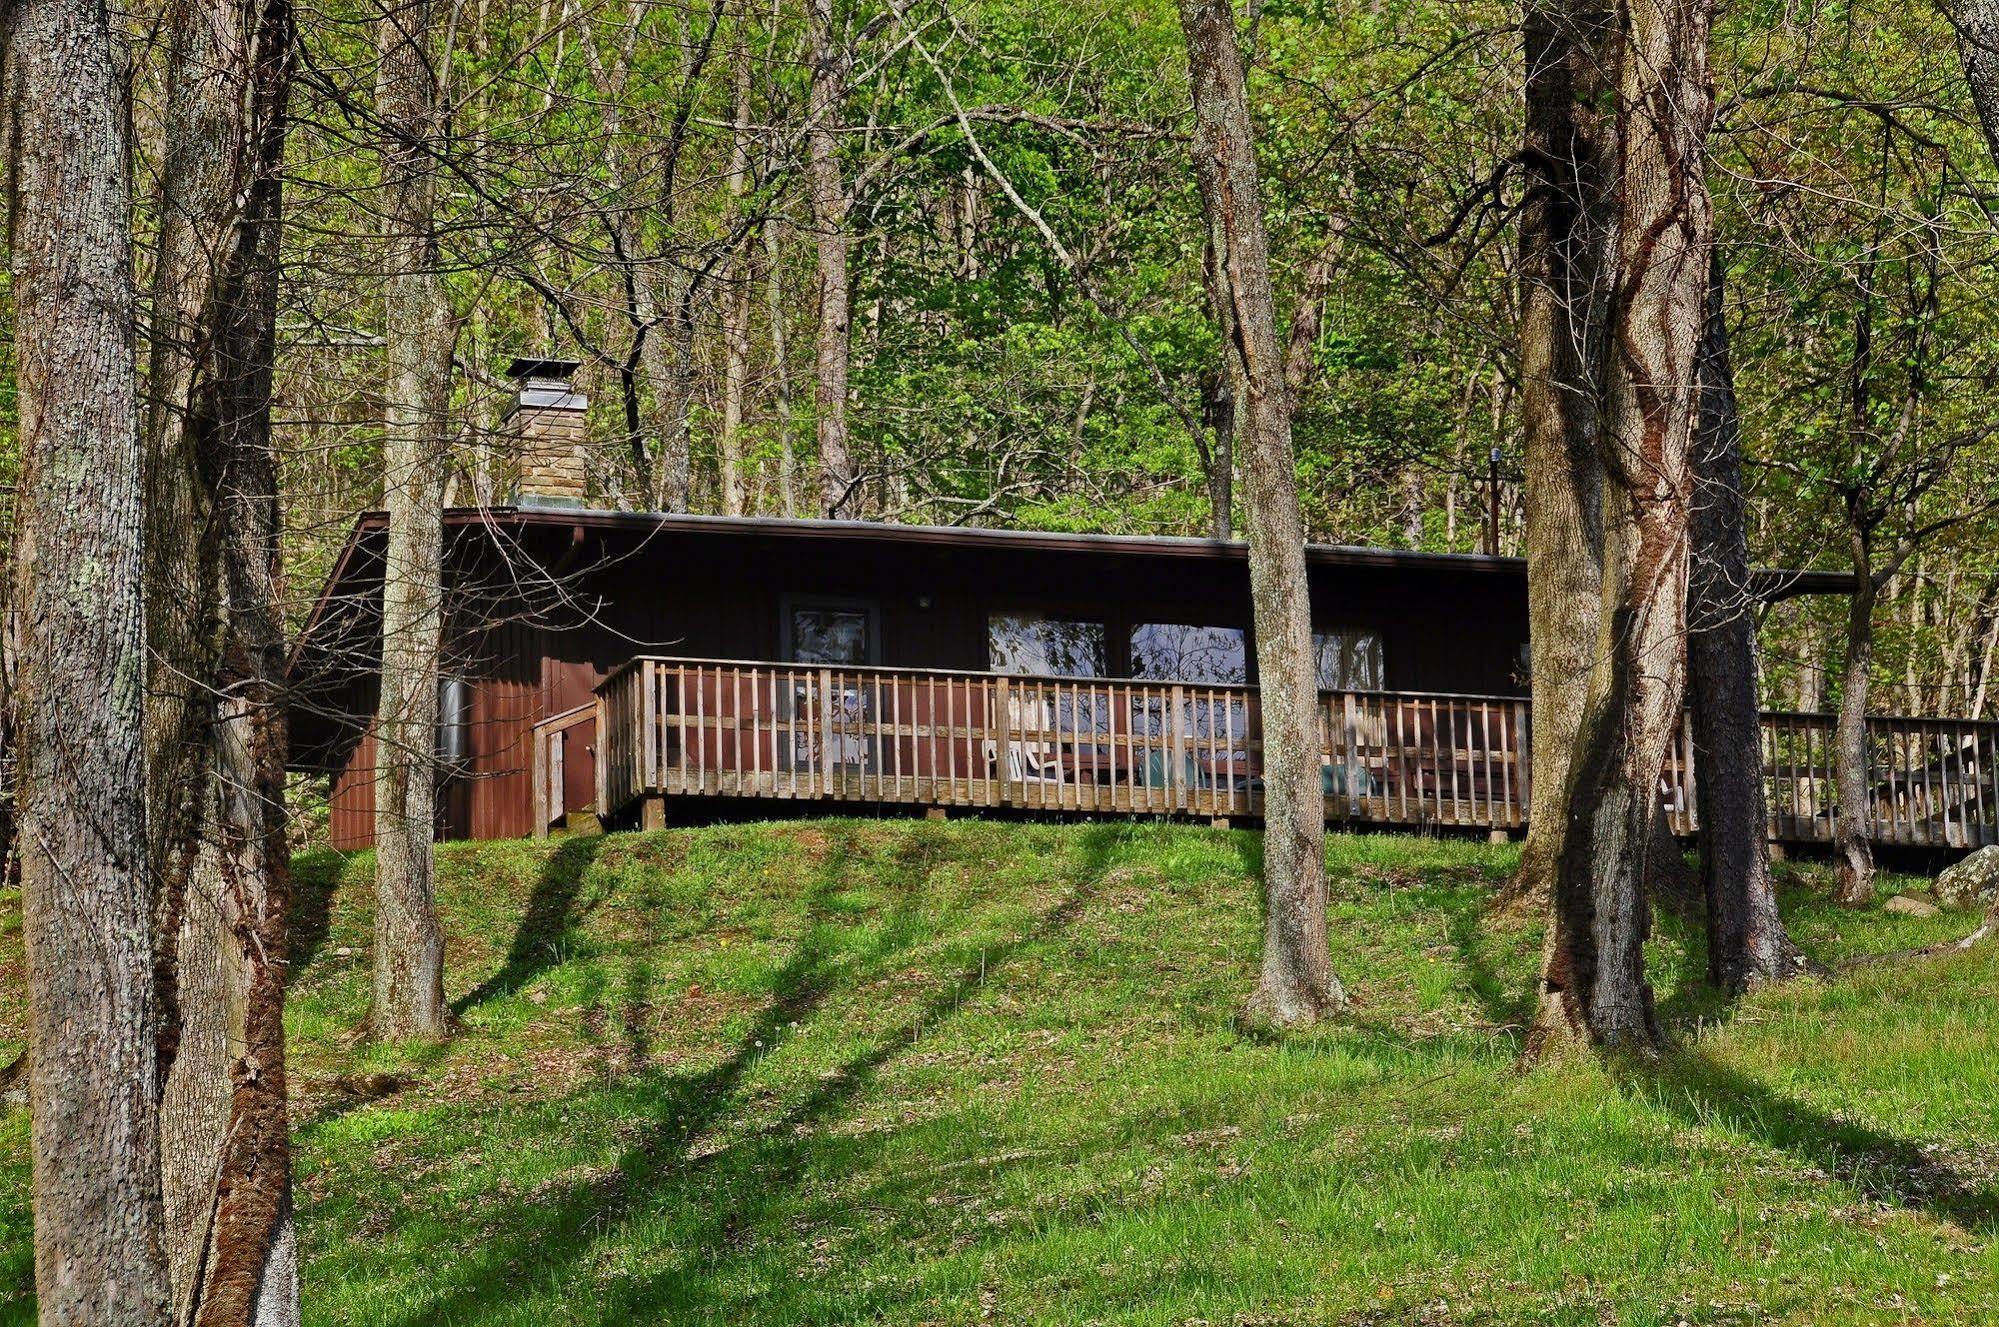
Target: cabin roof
1771,584
1778,583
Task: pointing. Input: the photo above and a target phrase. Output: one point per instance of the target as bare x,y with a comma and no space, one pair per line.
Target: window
1349,659
1176,652
821,631
1031,645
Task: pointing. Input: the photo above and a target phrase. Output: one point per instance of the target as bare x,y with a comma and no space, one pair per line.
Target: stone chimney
545,423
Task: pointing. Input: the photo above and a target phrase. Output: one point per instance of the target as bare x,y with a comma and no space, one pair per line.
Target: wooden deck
669,728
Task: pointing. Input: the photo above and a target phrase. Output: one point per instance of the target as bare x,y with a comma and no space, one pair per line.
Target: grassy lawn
905,1072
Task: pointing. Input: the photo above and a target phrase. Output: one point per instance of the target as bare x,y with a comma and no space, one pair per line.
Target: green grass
907,1072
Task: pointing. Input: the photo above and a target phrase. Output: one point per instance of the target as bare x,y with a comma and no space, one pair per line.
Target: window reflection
826,635
1348,659
1030,645
1178,652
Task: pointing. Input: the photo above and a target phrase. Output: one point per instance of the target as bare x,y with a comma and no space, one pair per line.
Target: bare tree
1297,986
80,690
1593,986
418,334
1747,943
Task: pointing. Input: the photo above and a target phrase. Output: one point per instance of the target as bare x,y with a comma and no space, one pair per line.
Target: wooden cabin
631,663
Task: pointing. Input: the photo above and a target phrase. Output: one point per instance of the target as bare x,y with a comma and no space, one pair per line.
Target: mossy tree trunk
78,562
1594,989
1563,231
225,1154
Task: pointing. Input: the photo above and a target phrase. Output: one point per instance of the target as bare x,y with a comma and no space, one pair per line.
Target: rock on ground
1907,905
1971,883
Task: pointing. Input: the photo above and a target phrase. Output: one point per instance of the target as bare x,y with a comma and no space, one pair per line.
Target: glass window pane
1177,652
1034,646
825,635
1348,660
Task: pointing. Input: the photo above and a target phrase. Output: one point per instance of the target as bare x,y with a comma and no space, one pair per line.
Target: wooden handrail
873,734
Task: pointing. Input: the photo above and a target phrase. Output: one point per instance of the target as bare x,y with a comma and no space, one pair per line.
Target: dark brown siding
536,629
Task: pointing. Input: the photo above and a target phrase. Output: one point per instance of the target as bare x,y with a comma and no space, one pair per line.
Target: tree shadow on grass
1703,1092
547,923
722,1194
315,880
1470,938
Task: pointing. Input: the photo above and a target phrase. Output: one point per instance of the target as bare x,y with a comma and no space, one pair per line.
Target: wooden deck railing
673,727
887,735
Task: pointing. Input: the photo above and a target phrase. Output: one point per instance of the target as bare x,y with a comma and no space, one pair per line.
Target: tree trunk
1852,831
667,354
201,155
1977,23
418,333
78,555
1218,397
1218,457
830,204
787,453
1297,985
736,303
225,1155
1747,943
1594,986
1563,233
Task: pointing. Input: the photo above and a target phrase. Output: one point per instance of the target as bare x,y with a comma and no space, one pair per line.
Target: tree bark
418,335
1594,988
79,563
1564,228
831,63
787,454
1297,986
1977,23
737,301
201,153
1747,943
1852,830
225,1153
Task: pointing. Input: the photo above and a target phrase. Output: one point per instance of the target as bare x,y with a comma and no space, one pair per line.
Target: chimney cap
532,366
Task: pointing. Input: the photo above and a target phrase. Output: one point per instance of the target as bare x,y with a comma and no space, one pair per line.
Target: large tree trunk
1594,988
418,333
225,1156
830,205
201,154
1747,943
1297,985
1563,233
1852,831
78,557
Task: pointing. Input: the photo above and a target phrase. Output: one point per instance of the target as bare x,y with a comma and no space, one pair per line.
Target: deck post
1176,777
652,812
936,813
1002,762
1523,762
538,783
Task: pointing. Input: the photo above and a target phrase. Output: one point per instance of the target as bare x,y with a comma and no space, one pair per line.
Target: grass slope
971,1072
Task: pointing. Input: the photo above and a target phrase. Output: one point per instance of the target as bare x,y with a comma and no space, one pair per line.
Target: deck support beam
652,812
